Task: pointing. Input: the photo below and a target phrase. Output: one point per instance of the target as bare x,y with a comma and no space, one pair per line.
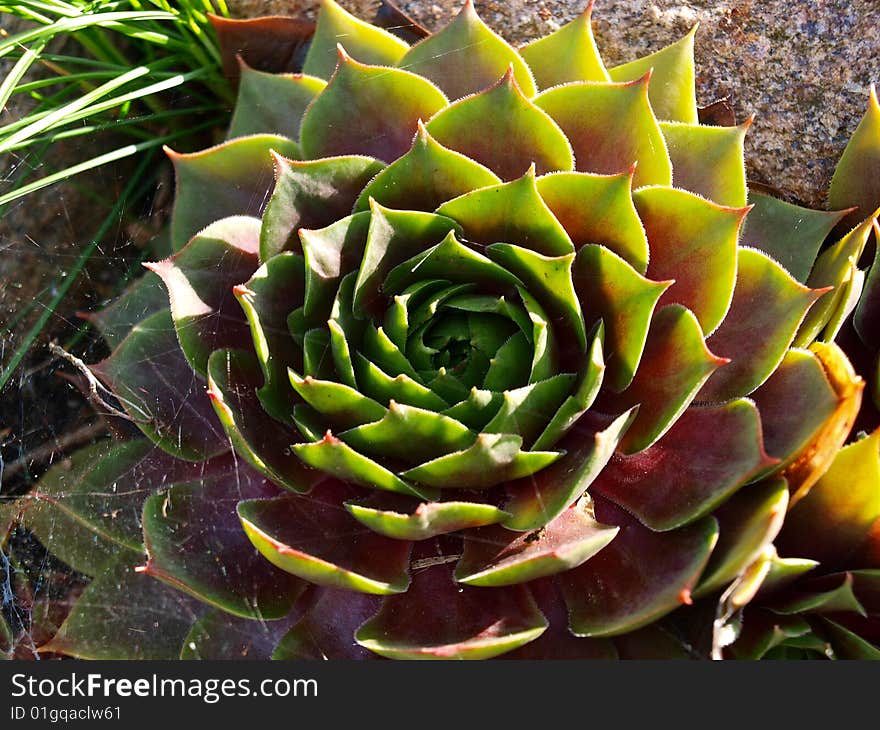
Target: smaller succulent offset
501,358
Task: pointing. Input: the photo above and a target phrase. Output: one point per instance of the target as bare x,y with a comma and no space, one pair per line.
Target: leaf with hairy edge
232,178
123,614
274,43
311,194
748,523
327,630
610,126
177,416
705,457
831,269
855,181
640,577
316,539
439,619
393,19
233,379
394,237
492,459
867,313
341,405
674,366
200,280
842,507
195,544
271,103
425,177
267,298
387,104
788,233
501,129
512,212
694,242
708,160
598,209
567,54
766,300
466,57
408,519
612,291
365,42
495,556
538,499
217,636
672,92
144,296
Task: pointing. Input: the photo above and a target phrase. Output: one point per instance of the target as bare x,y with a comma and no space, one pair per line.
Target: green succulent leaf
144,296
567,54
425,177
867,312
526,411
233,178
177,417
855,181
672,91
613,292
466,57
708,160
271,103
311,194
788,233
833,593
194,543
495,556
674,366
512,212
708,455
304,536
610,126
439,619
848,645
694,242
482,127
407,519
597,209
365,42
766,300
200,280
387,104
378,385
639,577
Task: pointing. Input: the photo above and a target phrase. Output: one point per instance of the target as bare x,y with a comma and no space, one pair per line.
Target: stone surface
803,68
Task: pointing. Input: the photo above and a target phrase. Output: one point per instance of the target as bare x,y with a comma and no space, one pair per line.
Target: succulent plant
501,358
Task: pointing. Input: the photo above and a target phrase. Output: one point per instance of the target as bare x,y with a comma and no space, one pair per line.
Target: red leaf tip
685,598
241,290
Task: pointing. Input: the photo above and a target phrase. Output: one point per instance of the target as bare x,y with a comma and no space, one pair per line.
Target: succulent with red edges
501,358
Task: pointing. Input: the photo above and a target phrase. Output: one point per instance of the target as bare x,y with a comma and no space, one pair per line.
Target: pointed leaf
705,457
766,300
510,213
567,54
144,296
378,385
477,409
340,404
535,501
438,619
674,366
406,519
638,578
501,129
387,104
610,126
694,242
271,103
363,41
495,556
598,209
527,411
672,92
177,416
232,178
200,280
467,56
708,160
316,539
274,43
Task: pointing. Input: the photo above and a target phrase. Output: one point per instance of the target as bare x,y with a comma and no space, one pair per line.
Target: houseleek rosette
504,364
